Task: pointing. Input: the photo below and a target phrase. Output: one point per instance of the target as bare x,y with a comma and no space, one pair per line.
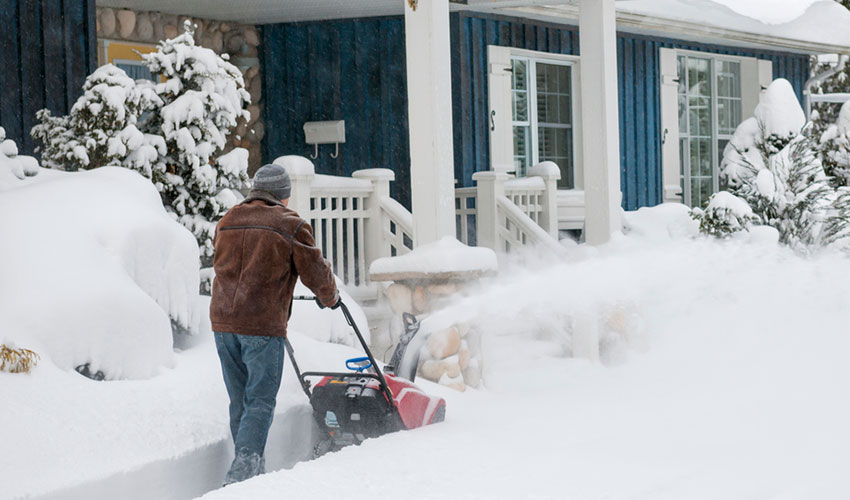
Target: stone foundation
452,356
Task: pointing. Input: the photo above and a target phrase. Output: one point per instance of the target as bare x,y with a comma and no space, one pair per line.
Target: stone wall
239,41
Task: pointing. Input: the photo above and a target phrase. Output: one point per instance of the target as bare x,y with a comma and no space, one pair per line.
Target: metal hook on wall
316,154
336,153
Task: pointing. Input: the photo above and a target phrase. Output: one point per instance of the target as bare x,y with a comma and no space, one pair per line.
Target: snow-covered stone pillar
380,178
429,97
599,120
491,187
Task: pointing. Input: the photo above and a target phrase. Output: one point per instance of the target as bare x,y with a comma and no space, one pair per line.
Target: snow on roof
814,21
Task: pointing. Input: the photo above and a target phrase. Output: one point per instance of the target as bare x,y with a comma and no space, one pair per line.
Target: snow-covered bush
17,360
172,132
725,215
835,148
203,95
101,127
14,168
776,169
94,271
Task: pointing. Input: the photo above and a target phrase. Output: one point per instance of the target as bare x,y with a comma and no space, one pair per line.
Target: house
638,117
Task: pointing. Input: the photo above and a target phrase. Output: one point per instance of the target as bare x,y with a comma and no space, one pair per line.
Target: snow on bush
101,127
203,95
172,132
776,169
94,271
835,148
725,215
14,168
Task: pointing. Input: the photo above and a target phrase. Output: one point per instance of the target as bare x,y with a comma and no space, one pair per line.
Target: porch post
429,98
599,120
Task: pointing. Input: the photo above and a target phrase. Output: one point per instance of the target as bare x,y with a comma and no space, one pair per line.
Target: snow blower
364,402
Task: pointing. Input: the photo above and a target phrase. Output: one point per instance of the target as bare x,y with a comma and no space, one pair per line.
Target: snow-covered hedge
725,215
94,270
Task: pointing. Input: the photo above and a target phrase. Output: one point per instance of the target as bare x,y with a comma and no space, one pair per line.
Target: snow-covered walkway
740,393
725,377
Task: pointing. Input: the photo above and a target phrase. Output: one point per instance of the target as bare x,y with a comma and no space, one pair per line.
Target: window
542,118
710,104
135,70
128,57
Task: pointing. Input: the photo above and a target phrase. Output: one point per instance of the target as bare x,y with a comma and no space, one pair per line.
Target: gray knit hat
274,179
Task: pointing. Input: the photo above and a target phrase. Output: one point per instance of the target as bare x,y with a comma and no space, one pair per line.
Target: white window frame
501,115
756,75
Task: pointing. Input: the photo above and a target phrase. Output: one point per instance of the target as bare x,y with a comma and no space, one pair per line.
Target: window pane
555,144
683,75
519,92
553,93
728,79
683,114
522,152
699,80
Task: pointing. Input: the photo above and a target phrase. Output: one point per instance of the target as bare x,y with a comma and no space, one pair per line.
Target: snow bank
93,269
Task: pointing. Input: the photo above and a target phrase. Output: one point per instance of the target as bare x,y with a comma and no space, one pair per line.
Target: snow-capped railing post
301,174
550,173
374,235
491,188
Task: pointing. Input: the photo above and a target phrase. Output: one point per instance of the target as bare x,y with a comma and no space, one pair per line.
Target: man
261,248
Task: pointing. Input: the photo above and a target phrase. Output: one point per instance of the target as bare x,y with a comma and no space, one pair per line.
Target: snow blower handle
350,320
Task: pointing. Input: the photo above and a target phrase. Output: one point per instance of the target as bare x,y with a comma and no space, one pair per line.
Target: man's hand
337,302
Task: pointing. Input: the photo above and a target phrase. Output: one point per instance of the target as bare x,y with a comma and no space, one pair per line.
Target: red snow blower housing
352,406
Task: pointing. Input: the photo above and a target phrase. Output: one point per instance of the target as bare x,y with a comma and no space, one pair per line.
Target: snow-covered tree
202,97
725,215
835,148
826,114
101,127
172,132
776,169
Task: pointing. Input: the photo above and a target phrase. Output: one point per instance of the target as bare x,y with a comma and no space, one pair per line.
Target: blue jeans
252,366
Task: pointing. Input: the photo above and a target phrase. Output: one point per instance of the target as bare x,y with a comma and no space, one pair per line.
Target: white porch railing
509,212
354,219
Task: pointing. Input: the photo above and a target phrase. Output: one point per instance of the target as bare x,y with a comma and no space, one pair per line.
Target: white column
380,179
429,98
599,122
550,173
491,187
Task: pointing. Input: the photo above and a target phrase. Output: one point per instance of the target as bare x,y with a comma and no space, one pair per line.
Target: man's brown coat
261,248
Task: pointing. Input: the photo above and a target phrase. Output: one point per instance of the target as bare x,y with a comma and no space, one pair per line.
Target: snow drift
93,270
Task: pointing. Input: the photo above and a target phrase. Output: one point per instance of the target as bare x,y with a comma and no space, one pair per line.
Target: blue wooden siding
352,70
638,80
47,48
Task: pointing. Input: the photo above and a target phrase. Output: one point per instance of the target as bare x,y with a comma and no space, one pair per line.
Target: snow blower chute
364,402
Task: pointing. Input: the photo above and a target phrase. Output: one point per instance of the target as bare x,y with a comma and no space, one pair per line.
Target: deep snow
94,270
722,376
